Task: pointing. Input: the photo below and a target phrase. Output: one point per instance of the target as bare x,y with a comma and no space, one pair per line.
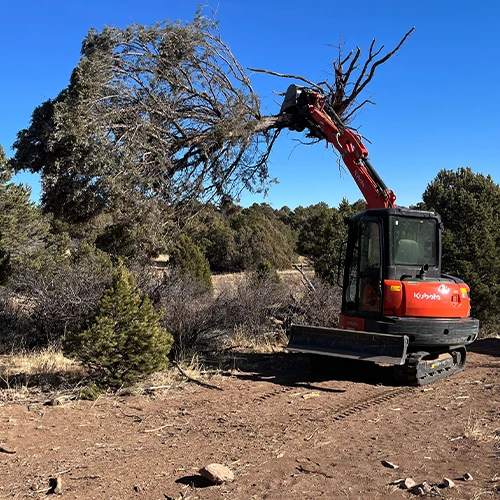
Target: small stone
448,483
53,402
404,484
407,484
467,477
217,473
426,487
389,465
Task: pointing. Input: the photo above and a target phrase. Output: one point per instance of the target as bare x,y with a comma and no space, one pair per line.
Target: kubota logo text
358,178
426,296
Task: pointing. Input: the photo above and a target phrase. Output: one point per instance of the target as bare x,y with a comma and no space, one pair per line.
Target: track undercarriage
422,368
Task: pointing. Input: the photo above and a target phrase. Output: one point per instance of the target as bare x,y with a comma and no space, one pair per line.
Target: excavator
398,308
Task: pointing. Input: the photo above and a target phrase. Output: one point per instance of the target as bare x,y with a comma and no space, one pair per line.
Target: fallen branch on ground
196,381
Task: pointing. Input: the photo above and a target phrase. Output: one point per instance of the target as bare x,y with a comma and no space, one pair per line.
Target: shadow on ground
195,481
491,347
301,370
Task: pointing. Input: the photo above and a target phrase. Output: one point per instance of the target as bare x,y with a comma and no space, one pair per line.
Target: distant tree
264,273
189,262
212,233
321,231
260,236
285,215
314,225
468,205
22,225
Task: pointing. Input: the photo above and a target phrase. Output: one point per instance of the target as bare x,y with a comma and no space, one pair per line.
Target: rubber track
410,371
367,403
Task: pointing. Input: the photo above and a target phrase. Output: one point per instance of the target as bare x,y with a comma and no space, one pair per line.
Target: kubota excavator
397,306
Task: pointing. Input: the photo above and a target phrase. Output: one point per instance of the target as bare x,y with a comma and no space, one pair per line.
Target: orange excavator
398,308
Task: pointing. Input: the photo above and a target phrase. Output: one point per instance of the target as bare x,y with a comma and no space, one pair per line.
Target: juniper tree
188,261
22,225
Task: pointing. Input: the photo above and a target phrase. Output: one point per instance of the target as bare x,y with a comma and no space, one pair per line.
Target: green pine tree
125,342
188,260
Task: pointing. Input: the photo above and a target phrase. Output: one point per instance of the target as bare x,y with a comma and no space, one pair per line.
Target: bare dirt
283,432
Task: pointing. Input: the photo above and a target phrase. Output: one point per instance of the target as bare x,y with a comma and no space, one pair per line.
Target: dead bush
41,304
204,321
319,306
258,307
193,316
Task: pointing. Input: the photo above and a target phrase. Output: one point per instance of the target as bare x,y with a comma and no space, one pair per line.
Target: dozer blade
366,346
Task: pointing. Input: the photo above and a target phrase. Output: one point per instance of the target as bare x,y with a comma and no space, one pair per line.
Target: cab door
362,294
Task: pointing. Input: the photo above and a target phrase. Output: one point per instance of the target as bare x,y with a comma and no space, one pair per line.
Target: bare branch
284,75
344,91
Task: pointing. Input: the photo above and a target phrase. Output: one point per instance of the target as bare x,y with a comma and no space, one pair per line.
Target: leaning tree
155,117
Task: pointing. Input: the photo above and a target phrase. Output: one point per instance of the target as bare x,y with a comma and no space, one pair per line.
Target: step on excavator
398,308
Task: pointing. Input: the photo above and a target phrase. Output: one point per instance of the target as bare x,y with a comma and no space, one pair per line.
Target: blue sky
437,100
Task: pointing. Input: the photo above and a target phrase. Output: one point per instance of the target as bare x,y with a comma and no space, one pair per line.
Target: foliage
265,272
53,294
261,236
319,306
321,231
254,308
205,322
212,233
239,239
125,341
195,318
468,205
5,267
22,226
188,261
90,392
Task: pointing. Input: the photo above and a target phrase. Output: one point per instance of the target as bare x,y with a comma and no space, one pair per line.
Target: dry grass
192,365
264,344
48,361
29,375
472,428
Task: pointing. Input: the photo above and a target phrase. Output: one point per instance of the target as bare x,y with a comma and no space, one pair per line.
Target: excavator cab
387,244
363,276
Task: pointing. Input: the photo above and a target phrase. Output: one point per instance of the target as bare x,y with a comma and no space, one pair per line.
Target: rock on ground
217,473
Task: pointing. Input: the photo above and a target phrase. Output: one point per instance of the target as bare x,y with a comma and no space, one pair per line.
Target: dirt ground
283,432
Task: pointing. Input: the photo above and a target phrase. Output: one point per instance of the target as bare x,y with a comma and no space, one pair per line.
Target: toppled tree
155,117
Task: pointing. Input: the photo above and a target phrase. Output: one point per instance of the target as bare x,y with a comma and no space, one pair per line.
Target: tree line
229,238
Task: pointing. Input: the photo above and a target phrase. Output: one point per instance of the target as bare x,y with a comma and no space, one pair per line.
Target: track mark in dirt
268,395
364,404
